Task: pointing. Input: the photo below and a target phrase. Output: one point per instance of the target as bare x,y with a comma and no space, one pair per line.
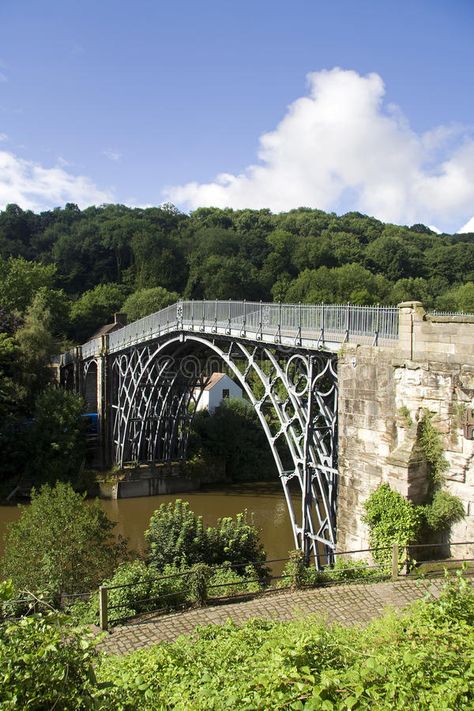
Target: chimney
120,320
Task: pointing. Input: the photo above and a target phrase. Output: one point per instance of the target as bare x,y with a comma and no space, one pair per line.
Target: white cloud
3,137
339,147
31,186
468,227
63,163
112,155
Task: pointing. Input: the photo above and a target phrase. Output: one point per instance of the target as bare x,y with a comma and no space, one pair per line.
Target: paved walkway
346,604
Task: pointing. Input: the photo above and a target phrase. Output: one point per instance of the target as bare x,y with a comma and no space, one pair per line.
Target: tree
459,298
60,544
19,282
96,308
177,536
36,346
56,437
234,434
147,301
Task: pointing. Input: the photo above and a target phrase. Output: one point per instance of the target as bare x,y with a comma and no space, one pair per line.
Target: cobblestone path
346,604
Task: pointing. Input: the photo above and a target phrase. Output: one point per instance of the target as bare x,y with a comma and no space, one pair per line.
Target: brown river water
264,499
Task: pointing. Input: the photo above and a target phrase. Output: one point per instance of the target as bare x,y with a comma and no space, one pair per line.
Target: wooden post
103,611
395,561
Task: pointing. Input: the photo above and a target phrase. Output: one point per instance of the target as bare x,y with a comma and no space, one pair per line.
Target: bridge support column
103,402
383,395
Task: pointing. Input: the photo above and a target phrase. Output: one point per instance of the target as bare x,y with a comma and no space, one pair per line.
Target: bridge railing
318,322
343,320
313,323
144,329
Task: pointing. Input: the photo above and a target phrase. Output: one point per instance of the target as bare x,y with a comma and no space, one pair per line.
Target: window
225,393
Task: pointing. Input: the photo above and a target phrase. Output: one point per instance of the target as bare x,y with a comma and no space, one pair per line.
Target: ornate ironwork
282,356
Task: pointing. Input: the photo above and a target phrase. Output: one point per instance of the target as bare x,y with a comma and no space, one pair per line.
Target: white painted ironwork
283,357
153,390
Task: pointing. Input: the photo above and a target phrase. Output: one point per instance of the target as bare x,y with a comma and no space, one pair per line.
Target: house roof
119,321
213,380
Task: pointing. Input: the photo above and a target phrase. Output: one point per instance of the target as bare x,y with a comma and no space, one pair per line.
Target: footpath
354,604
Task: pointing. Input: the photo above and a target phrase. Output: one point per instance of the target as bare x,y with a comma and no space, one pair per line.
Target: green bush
144,590
60,544
391,519
46,663
444,510
177,536
226,581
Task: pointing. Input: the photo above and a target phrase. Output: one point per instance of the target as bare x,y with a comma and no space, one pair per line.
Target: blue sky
149,101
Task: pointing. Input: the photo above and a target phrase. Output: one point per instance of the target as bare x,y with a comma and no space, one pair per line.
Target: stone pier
383,395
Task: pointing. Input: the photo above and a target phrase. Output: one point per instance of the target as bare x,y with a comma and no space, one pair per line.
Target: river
264,499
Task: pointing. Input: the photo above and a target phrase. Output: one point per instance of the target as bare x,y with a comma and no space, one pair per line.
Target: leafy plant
177,536
444,510
419,660
432,448
60,544
391,519
46,662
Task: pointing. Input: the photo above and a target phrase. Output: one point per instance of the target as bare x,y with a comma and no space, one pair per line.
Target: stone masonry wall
383,393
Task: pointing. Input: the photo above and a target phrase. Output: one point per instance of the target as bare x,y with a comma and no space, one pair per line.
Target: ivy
391,519
432,448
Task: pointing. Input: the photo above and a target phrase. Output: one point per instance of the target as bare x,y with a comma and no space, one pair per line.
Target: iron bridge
145,381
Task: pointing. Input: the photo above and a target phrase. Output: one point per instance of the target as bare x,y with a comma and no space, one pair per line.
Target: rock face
382,397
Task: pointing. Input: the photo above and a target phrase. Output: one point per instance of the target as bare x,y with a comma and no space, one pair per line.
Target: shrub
60,544
391,519
46,663
177,536
444,510
144,590
418,660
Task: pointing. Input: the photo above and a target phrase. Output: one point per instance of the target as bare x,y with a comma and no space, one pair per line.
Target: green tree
147,301
56,437
177,536
95,308
36,346
459,298
60,544
20,280
233,433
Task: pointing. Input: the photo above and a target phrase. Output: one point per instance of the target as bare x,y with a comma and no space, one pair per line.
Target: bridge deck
310,326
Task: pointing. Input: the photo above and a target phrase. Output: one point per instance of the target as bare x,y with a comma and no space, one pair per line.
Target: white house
218,388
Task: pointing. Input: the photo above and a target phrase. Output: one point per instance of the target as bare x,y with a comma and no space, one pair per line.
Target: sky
334,104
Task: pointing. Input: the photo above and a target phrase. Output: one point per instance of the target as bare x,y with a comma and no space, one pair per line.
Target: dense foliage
46,663
60,544
391,519
304,254
234,435
177,536
421,660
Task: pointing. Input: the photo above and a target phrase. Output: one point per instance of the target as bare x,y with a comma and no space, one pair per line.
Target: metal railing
312,325
174,591
397,563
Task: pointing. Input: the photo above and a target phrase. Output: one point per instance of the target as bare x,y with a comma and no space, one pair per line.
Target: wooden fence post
395,561
103,608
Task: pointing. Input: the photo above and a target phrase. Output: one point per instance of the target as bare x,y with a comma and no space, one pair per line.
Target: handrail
311,325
